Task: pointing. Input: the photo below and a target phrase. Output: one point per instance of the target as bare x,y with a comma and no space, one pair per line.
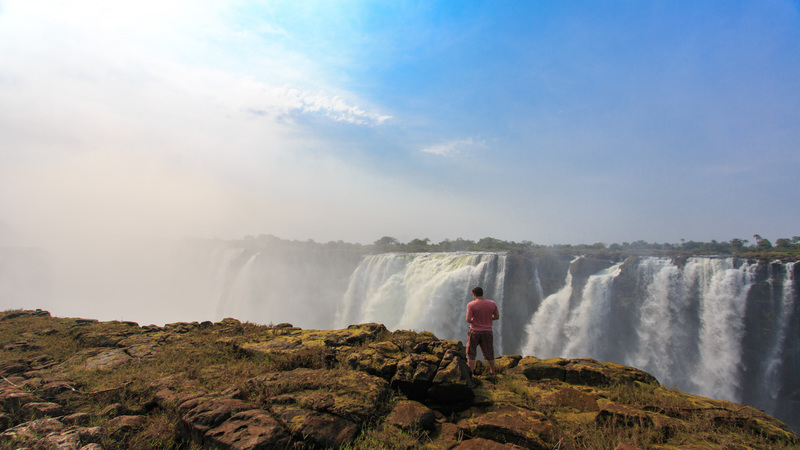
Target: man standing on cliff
481,313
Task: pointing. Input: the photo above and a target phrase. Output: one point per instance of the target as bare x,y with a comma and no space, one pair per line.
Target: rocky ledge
84,384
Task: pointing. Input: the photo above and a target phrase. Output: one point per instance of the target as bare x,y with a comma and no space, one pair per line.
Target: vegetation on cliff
787,249
84,384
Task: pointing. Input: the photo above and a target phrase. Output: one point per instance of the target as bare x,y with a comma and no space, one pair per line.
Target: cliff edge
83,384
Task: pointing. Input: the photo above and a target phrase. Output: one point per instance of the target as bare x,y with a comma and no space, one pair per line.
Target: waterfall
546,336
723,292
662,339
574,324
774,360
696,324
586,324
238,289
423,291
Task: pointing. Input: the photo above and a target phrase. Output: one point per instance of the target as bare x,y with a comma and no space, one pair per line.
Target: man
481,313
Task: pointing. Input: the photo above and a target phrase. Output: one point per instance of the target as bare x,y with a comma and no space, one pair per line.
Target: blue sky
553,122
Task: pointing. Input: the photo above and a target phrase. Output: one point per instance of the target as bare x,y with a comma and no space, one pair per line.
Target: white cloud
455,147
333,107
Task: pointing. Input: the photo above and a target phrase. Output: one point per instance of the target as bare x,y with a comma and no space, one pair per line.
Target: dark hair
478,291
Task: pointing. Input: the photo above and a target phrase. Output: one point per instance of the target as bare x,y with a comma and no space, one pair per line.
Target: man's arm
496,314
469,314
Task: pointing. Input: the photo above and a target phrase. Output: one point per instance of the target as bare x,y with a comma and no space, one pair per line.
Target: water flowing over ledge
721,327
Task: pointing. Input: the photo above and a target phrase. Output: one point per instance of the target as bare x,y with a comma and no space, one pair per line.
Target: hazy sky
554,122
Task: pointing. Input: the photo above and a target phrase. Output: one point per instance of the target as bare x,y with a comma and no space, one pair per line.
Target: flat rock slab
109,359
208,413
246,430
511,424
38,410
355,396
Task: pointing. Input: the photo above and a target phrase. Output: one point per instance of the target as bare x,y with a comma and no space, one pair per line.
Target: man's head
477,291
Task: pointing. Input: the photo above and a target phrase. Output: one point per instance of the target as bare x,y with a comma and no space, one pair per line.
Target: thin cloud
454,148
334,108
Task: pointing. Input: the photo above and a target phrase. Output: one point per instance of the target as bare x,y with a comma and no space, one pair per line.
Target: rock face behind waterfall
84,384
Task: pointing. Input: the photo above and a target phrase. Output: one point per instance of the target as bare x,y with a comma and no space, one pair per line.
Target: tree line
758,248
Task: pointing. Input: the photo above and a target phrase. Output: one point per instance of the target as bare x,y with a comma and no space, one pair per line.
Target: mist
126,128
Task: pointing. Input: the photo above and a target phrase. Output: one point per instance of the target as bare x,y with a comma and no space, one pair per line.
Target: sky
553,122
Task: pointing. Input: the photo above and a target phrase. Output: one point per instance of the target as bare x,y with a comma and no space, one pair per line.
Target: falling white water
668,330
723,294
538,283
546,337
423,291
662,317
774,360
241,285
588,320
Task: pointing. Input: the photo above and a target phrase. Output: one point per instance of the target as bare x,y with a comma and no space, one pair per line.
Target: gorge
721,327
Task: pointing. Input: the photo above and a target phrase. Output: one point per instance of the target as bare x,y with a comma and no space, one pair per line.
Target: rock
585,371
576,399
113,410
409,415
407,340
355,335
12,367
79,418
183,327
615,414
109,360
452,382
378,358
90,434
37,410
207,413
22,345
352,395
415,374
505,362
86,321
98,339
121,426
31,430
251,429
70,440
319,428
448,435
142,351
92,447
484,444
12,398
54,389
529,429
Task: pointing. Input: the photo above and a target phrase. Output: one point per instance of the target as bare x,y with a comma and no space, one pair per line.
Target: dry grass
210,359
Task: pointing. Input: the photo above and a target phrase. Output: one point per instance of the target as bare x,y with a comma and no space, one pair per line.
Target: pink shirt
481,312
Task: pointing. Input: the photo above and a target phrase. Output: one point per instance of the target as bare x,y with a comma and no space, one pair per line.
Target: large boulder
435,371
410,415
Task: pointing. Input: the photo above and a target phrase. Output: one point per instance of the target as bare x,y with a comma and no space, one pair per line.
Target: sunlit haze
551,122
554,122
